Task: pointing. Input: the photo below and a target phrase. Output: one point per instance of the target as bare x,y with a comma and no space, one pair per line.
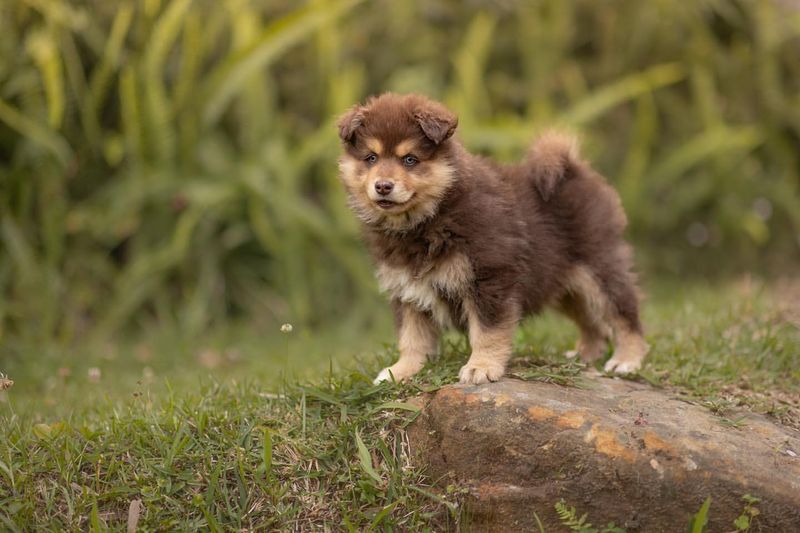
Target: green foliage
743,522
224,457
746,519
699,520
569,517
366,460
239,451
174,161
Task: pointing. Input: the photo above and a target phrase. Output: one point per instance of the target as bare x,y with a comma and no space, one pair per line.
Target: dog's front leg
418,338
491,346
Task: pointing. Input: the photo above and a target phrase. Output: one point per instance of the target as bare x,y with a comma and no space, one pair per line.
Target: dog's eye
410,160
371,159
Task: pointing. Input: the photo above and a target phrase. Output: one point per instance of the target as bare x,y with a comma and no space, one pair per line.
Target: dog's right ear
350,122
437,122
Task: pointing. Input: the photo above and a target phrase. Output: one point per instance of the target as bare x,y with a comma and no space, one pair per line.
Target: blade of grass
36,133
602,99
365,459
229,77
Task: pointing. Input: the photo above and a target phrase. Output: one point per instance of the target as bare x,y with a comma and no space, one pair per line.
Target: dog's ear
350,122
437,122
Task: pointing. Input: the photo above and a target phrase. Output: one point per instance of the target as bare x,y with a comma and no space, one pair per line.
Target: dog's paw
396,373
571,354
620,366
383,375
588,351
478,373
629,355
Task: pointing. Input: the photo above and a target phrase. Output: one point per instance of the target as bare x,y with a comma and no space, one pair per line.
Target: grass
55,380
237,448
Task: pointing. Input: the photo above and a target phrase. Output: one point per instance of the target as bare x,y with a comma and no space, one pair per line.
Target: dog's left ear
350,122
437,122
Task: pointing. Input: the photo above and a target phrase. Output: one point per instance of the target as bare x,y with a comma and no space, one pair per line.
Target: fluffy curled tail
551,160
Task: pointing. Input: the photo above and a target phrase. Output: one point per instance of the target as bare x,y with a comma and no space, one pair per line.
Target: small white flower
94,374
286,328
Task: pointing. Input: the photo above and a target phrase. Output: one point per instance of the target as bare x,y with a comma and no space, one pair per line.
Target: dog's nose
383,187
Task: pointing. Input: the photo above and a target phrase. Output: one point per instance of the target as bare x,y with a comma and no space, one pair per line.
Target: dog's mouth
386,204
389,204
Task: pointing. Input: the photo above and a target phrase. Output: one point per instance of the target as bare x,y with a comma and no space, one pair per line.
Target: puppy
462,242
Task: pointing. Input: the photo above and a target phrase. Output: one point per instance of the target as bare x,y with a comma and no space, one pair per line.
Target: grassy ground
233,439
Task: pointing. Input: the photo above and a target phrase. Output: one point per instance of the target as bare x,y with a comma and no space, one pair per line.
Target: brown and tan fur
462,242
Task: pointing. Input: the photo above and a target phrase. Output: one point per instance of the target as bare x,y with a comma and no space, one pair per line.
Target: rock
617,450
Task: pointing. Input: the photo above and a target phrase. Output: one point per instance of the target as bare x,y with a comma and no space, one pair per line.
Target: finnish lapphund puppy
460,241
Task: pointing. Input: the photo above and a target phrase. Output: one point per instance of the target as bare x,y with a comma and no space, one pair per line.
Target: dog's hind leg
587,305
630,351
630,347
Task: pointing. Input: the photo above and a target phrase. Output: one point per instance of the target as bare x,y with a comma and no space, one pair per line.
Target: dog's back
578,197
601,293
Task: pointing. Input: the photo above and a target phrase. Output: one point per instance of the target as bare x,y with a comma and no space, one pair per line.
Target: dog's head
395,166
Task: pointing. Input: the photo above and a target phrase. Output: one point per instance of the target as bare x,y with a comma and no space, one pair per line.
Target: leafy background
171,164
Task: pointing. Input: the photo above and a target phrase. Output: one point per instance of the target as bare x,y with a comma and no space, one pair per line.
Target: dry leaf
5,383
134,511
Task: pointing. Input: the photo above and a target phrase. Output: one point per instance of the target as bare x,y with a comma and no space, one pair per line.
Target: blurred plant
174,161
570,519
699,521
749,514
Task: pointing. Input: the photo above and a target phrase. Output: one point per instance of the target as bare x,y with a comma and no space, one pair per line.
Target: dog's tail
551,160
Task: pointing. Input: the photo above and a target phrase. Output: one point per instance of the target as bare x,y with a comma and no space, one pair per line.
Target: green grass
54,380
259,444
